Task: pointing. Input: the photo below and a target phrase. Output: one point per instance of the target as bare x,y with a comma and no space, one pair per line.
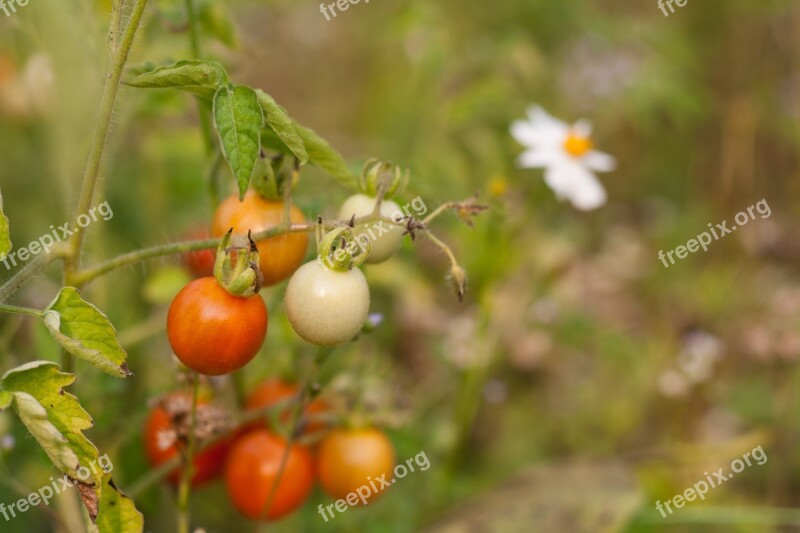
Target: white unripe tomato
324,306
384,238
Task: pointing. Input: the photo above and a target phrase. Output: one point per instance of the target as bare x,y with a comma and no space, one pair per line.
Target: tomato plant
217,323
350,458
214,332
254,469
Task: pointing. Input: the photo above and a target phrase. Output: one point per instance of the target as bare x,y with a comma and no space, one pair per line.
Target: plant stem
119,57
194,42
444,247
85,276
130,258
194,38
5,308
296,417
185,489
28,271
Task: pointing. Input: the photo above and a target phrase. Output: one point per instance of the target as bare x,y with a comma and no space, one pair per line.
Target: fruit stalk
300,407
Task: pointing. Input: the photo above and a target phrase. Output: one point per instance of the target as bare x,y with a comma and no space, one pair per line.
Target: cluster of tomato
215,331
259,484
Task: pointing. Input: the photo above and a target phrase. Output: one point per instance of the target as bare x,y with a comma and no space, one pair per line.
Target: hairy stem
5,308
36,265
85,276
185,489
119,57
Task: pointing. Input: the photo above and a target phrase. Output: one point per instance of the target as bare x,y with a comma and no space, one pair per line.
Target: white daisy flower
567,154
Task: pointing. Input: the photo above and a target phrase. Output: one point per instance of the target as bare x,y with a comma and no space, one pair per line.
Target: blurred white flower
699,355
567,154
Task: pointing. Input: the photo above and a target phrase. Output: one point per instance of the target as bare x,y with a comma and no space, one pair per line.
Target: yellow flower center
577,145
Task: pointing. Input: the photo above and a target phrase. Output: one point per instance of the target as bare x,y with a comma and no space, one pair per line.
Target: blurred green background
580,381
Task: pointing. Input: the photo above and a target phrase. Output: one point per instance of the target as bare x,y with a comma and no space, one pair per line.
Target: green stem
5,308
119,58
85,276
297,416
28,271
194,42
130,258
185,489
194,37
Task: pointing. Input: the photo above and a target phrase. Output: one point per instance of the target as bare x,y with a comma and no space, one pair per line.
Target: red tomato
201,262
208,463
279,256
273,391
252,472
214,332
349,458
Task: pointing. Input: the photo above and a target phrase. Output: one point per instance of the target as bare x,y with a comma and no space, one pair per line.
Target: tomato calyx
236,268
381,177
342,249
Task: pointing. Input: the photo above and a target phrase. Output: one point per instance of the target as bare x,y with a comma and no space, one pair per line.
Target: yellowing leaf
85,332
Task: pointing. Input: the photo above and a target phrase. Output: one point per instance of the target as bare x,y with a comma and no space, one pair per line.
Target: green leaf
201,77
320,154
117,512
5,235
239,119
85,332
56,420
278,120
54,417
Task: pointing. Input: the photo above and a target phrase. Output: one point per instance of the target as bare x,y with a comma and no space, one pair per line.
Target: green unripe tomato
385,238
326,307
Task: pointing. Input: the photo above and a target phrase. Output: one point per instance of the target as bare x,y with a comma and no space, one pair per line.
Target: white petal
582,128
599,161
542,120
559,178
587,193
534,159
525,133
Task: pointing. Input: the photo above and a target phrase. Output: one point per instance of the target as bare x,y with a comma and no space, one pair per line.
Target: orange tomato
350,458
213,332
252,471
279,256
